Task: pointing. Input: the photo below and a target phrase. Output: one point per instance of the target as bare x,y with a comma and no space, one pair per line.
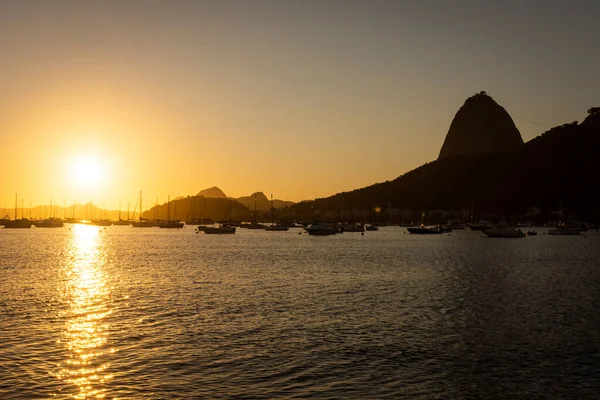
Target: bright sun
87,170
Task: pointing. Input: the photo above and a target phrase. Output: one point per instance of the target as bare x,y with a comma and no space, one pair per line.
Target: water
128,313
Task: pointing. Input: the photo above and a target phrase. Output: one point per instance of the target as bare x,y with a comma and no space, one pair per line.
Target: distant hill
263,203
558,167
213,192
197,207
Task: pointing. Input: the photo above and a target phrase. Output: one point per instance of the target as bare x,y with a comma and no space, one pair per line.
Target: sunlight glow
87,170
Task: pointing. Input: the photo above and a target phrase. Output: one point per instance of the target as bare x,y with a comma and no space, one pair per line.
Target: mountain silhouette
481,126
213,192
557,167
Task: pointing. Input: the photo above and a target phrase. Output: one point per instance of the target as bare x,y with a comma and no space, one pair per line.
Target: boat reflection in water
86,331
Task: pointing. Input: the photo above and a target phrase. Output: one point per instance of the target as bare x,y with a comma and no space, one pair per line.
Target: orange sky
298,99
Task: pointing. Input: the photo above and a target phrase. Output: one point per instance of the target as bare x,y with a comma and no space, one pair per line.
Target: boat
49,223
142,222
425,230
169,224
22,223
100,222
123,222
456,225
216,230
275,227
252,225
358,227
481,225
502,230
321,229
371,228
566,229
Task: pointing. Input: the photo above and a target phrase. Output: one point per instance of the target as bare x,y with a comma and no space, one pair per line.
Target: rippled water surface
127,313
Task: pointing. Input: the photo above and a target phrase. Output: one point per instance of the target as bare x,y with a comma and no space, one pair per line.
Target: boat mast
16,207
140,206
272,210
168,207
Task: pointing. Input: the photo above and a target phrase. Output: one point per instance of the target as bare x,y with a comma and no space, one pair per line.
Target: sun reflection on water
86,332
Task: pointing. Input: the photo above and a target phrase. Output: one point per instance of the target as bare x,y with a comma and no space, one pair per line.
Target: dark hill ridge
481,126
558,166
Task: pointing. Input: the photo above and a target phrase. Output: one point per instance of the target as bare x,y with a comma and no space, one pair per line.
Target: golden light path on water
86,331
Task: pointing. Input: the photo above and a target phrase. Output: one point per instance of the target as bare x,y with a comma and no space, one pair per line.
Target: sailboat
22,223
168,223
143,222
51,222
274,226
563,228
122,222
254,224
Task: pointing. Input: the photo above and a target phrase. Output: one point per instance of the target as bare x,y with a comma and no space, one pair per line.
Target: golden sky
299,99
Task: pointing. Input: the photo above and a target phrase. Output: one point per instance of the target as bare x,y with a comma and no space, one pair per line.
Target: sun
87,170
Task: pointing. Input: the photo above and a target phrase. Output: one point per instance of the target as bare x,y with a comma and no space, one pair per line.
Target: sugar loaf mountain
485,167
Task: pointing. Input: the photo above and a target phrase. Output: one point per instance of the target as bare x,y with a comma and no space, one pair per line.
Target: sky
302,99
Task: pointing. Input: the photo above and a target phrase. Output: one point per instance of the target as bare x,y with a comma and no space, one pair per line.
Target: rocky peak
212,192
481,126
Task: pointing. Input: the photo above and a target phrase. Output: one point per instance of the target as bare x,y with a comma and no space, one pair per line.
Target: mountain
193,207
557,167
213,192
481,126
263,203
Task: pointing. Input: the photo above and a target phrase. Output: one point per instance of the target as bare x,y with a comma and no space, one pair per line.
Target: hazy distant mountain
263,203
558,167
213,192
195,207
481,126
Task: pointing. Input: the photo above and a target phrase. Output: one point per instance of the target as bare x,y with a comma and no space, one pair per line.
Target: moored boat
425,230
321,229
276,227
348,227
481,225
503,231
216,230
171,224
22,223
49,223
566,229
142,222
16,223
